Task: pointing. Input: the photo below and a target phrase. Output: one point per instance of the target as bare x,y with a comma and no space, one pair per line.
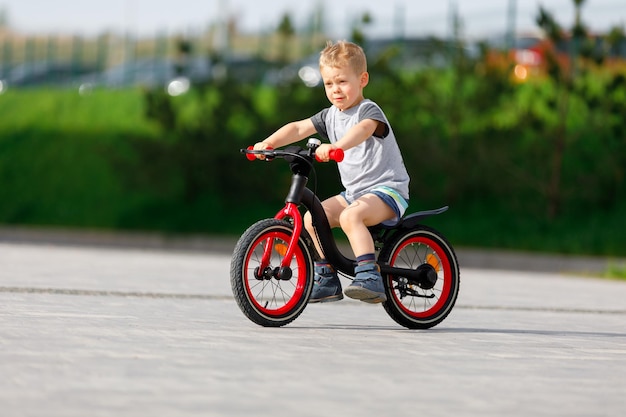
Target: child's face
344,87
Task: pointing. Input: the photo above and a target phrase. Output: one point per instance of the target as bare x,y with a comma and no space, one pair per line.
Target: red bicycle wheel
266,297
411,304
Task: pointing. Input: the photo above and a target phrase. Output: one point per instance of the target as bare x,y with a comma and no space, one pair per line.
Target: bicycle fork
283,272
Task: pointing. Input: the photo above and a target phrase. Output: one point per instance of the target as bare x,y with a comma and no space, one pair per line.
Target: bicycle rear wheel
425,304
264,296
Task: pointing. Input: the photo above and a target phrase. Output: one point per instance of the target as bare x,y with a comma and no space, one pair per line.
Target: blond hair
343,53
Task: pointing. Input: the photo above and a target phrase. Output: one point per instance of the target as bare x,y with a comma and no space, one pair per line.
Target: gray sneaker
326,286
367,286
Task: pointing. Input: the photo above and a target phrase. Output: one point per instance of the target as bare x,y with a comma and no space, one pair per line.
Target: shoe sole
365,295
328,299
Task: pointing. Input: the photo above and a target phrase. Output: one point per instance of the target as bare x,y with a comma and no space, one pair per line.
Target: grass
615,271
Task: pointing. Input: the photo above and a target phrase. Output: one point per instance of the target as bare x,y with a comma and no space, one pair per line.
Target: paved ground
87,331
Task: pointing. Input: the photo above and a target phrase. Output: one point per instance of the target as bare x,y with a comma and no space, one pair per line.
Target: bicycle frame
327,241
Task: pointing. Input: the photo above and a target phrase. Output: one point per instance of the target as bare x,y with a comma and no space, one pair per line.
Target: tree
615,40
286,33
564,81
4,18
358,34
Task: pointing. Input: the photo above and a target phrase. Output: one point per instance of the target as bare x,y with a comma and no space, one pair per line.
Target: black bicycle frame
300,194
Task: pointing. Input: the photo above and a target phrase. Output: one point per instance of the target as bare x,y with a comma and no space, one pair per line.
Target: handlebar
334,155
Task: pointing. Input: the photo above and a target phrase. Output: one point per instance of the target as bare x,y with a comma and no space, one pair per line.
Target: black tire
408,304
270,302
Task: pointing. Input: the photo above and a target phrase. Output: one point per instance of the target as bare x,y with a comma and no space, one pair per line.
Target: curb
468,257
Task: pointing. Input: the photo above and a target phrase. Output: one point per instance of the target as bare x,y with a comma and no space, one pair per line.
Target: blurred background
129,115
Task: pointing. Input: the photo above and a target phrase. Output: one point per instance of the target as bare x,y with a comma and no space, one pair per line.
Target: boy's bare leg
326,285
368,210
333,207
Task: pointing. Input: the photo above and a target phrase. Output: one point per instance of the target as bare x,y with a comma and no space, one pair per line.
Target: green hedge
517,171
59,154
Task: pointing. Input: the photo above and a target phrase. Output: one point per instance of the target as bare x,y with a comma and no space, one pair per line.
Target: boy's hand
261,146
323,151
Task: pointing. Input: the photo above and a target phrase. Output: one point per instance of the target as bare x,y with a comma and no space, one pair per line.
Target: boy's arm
289,133
353,137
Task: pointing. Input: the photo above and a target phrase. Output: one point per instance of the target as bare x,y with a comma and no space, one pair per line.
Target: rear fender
414,219
383,232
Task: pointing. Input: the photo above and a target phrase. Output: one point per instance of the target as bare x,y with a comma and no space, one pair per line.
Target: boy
372,172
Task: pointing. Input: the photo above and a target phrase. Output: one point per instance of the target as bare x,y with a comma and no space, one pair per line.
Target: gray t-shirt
375,162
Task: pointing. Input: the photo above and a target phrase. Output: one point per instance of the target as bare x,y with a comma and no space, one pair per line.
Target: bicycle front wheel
421,305
264,296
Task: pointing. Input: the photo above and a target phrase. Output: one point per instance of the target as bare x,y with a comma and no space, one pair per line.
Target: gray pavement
116,330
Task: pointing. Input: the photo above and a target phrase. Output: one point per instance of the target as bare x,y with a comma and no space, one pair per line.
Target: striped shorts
391,197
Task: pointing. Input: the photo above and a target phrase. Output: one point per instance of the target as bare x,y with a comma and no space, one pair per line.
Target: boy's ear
365,78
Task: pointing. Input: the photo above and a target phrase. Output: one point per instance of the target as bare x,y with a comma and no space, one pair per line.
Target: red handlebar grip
250,156
336,155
